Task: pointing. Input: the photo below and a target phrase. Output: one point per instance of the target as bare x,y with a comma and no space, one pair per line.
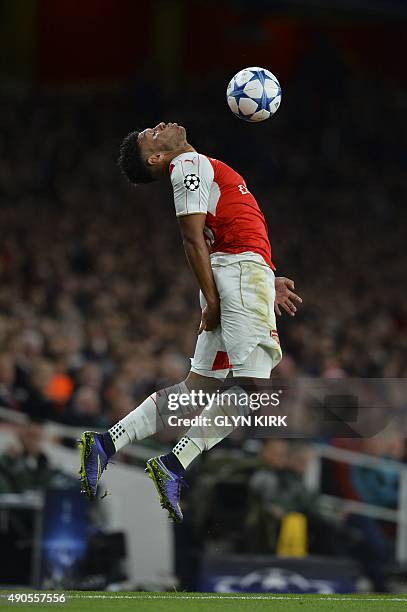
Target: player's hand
210,318
285,296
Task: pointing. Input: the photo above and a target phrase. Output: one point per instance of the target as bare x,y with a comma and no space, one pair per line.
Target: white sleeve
191,177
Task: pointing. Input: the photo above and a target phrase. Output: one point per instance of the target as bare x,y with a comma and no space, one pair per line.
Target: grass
81,601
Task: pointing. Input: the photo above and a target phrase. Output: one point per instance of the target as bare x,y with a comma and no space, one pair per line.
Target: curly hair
131,163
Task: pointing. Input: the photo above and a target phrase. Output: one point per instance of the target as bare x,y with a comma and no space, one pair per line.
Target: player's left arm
285,296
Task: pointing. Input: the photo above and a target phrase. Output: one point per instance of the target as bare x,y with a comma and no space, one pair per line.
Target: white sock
199,438
148,418
186,451
119,436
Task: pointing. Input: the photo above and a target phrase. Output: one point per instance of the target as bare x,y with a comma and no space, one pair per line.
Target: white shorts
246,342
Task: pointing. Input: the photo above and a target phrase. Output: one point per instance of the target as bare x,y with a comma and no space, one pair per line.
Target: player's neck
186,149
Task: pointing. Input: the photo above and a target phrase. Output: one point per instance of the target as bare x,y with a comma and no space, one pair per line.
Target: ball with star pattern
254,94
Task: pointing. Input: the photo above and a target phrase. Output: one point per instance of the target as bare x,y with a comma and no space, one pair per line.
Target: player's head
145,156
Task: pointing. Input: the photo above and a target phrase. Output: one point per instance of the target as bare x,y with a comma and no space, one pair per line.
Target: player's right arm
191,178
197,253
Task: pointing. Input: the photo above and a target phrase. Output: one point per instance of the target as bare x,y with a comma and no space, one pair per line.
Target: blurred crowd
97,305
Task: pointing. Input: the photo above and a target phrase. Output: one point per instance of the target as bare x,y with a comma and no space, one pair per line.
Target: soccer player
227,246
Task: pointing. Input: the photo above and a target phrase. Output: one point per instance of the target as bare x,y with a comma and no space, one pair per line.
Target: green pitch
82,601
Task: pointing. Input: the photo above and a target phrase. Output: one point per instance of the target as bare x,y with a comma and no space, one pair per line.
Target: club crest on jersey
191,182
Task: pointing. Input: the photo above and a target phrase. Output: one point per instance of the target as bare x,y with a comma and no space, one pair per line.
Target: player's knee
250,385
196,382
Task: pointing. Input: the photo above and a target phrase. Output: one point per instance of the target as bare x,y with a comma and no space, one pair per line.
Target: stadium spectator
85,409
278,488
7,378
24,466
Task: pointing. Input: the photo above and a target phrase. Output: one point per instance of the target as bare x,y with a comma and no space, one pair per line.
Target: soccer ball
254,94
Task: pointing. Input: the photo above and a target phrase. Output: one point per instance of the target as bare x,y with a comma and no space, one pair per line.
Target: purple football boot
168,485
94,460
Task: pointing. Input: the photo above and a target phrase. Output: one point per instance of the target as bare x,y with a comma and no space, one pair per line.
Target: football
253,94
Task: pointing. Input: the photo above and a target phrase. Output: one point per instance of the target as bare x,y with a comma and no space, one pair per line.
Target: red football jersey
234,221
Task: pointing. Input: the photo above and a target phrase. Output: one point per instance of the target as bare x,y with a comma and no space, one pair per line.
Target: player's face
163,137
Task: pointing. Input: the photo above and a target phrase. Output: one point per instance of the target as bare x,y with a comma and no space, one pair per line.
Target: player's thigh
210,357
259,364
247,308
251,295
